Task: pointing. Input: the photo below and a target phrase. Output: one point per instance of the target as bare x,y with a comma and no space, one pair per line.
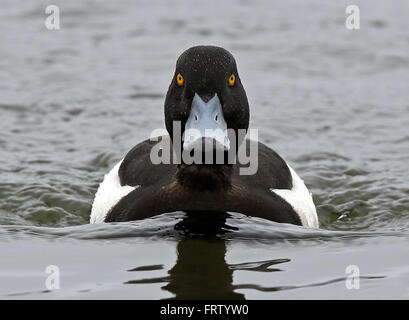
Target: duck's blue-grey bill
206,121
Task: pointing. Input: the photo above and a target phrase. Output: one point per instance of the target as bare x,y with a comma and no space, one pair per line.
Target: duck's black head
206,97
206,80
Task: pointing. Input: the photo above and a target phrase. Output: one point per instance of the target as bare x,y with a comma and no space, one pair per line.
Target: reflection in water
201,271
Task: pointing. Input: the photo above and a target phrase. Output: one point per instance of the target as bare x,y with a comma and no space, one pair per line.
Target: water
333,102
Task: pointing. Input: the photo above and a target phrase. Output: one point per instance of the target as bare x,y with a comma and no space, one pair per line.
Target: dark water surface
333,102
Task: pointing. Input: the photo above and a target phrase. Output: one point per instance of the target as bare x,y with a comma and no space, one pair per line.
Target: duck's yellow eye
179,79
232,80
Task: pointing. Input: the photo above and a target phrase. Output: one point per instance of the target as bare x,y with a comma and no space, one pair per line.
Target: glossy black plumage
207,188
160,192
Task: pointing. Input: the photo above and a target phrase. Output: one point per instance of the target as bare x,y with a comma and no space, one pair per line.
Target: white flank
300,199
109,193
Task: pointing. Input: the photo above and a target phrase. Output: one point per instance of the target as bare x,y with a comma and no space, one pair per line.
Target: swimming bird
207,102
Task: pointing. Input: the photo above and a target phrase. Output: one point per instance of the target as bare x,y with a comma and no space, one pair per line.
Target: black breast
159,190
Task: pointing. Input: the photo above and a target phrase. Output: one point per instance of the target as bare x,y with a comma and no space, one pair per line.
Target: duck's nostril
195,117
216,118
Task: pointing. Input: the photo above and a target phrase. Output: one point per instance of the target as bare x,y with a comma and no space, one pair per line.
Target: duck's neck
205,177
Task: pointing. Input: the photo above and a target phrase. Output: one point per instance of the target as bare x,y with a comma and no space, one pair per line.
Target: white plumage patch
301,200
109,193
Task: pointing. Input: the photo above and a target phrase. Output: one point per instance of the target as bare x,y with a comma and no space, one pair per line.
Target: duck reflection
201,271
